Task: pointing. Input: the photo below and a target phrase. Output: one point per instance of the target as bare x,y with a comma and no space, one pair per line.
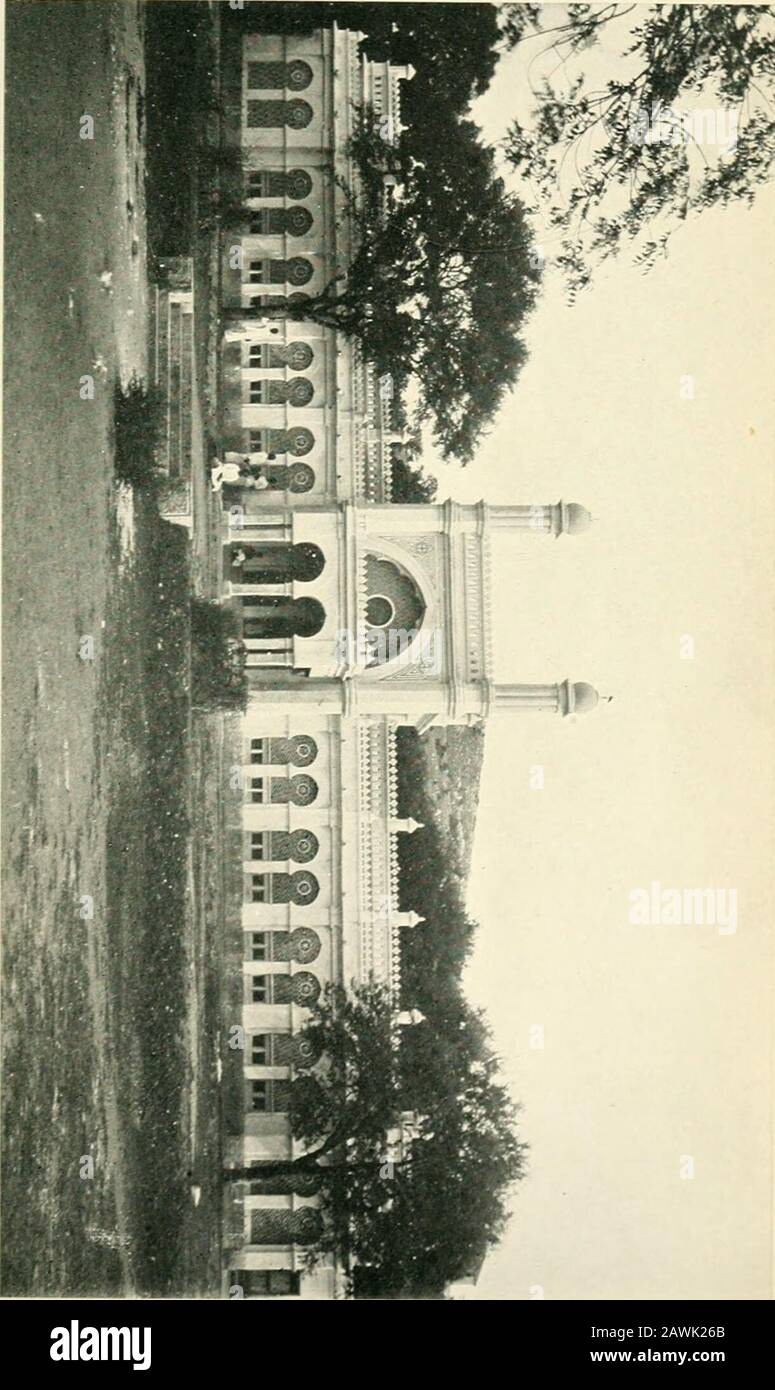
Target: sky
648,1107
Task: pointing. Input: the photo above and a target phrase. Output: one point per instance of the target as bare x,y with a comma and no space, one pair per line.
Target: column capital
563,698
554,519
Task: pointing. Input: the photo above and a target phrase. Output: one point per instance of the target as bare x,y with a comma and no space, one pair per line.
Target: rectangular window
259,1049
260,355
258,845
258,443
260,946
259,892
267,222
259,1095
259,392
258,750
260,989
259,183
257,789
268,1283
258,272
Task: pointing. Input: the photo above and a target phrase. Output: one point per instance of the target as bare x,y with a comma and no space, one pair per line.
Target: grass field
110,1103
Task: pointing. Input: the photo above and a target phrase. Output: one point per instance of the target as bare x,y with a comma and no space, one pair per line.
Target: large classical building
358,615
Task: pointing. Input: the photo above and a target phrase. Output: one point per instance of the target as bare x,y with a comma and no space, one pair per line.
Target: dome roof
585,697
579,519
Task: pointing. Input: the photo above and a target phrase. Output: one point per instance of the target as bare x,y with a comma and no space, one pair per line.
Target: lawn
110,1016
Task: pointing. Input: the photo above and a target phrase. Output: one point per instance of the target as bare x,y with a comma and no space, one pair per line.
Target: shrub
139,420
218,679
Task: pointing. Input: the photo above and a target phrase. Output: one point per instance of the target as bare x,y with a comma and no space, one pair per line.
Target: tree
218,679
453,49
410,484
440,281
627,162
416,1220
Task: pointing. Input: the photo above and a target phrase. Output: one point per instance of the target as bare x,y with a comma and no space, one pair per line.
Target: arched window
300,888
275,183
275,562
298,392
276,76
281,616
295,114
299,478
297,441
296,271
277,221
281,1226
298,184
298,75
301,945
298,221
300,789
302,988
300,750
301,846
299,1050
296,355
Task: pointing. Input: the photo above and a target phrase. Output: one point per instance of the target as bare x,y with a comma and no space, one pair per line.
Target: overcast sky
657,1041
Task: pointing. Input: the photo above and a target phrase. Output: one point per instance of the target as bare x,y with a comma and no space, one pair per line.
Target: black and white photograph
387,661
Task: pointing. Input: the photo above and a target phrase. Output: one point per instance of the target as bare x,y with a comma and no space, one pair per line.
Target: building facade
357,615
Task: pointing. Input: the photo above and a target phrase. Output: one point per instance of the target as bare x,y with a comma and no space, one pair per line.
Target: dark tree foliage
443,277
410,484
139,417
441,280
218,679
626,162
419,1219
453,48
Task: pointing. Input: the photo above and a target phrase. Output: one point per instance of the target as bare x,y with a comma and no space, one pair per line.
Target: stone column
564,698
557,519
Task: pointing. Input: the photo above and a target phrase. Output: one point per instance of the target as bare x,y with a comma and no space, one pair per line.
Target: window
258,750
275,221
259,355
258,272
266,183
258,845
259,1049
258,892
259,1095
259,392
260,946
259,989
277,75
267,1283
258,183
257,789
296,114
298,184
